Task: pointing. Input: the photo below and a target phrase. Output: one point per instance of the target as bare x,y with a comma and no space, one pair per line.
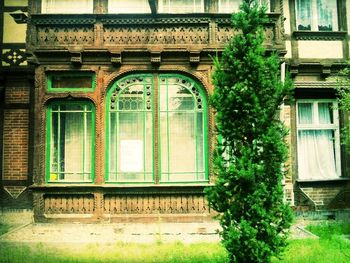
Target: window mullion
84,141
59,140
156,124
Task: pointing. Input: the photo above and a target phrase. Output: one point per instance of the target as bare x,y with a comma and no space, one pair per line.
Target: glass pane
54,144
181,6
88,142
67,6
182,142
130,6
325,113
132,99
304,16
229,6
182,177
327,15
130,142
164,146
78,82
180,98
305,115
316,154
200,142
72,132
71,144
112,144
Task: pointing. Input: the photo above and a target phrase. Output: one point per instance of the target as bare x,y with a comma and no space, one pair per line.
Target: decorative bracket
294,70
116,58
326,70
156,58
194,57
76,58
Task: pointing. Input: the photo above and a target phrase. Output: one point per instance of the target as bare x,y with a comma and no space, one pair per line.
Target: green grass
331,228
4,228
331,247
121,252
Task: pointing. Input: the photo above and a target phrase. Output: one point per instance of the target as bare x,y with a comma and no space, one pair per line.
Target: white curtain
316,148
303,11
327,15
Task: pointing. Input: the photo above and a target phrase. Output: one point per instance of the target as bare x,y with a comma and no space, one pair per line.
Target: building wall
113,46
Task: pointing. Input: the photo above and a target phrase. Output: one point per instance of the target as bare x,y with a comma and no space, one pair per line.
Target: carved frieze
155,34
53,35
155,204
68,204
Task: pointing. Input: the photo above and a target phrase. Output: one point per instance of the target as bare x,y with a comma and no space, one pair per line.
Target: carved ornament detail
155,204
68,204
178,34
61,36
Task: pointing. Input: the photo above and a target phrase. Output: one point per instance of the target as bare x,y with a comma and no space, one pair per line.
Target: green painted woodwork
140,89
76,165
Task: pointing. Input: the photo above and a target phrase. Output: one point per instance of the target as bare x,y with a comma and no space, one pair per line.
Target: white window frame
314,17
53,7
317,126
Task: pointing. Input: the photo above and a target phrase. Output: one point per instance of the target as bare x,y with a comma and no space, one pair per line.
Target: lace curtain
316,147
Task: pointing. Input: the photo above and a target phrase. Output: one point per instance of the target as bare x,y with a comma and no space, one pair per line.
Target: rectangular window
67,7
181,6
318,140
70,136
316,15
130,6
71,81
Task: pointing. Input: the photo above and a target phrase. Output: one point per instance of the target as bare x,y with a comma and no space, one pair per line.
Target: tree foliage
343,92
251,151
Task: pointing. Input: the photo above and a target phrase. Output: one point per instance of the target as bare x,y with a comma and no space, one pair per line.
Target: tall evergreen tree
251,150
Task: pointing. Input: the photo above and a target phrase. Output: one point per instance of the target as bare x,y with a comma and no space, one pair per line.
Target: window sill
323,180
319,35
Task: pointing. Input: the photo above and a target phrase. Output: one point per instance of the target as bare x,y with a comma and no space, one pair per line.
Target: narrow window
130,130
70,136
181,130
318,140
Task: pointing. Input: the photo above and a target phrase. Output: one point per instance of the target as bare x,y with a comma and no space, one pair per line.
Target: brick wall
15,140
17,95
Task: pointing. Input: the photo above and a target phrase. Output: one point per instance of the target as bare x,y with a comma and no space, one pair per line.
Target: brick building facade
104,113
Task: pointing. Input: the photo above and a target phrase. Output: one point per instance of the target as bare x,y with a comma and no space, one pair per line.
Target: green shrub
251,151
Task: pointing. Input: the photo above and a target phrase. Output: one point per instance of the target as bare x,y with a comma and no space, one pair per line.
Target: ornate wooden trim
319,35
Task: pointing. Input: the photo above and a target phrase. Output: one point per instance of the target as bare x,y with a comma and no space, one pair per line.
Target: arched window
156,133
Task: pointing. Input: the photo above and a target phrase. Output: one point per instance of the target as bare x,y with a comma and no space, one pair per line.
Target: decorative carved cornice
319,35
60,19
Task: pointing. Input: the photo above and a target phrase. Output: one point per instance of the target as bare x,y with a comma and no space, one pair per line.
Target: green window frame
148,148
70,140
71,81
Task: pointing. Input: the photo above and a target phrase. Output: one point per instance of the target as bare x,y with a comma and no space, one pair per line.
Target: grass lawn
331,247
4,228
